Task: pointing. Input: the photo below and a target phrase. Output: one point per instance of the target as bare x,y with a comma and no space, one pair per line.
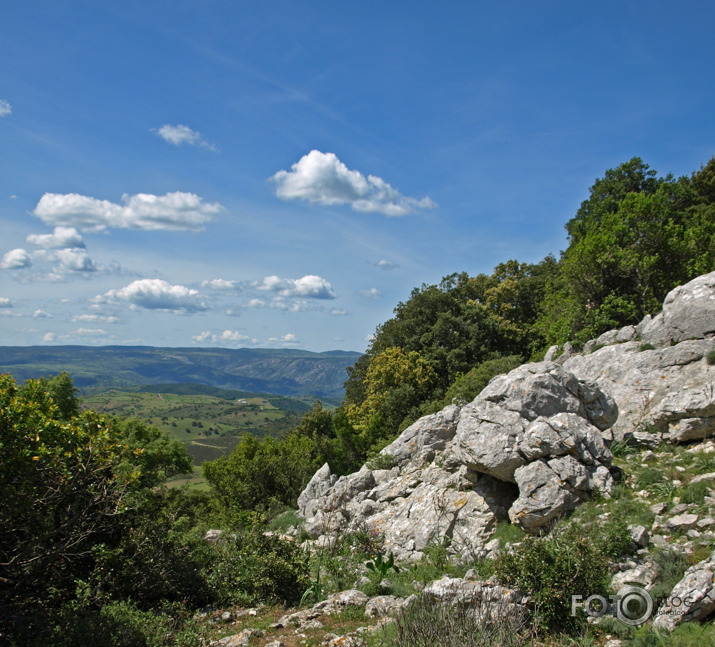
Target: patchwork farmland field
209,425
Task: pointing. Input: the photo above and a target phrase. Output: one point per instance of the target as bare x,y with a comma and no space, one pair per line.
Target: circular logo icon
634,606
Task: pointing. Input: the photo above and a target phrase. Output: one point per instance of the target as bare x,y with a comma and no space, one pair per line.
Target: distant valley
284,372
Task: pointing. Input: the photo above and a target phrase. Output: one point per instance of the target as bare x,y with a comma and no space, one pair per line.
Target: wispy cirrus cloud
179,135
321,178
309,287
5,108
143,211
156,294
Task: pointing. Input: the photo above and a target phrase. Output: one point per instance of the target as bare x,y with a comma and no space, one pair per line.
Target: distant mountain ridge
265,370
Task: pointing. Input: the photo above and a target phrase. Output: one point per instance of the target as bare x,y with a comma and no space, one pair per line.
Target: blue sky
282,174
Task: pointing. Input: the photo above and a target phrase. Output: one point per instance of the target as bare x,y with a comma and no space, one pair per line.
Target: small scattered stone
659,508
639,535
682,522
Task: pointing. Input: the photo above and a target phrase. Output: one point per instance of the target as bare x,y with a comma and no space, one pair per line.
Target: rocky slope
532,445
536,443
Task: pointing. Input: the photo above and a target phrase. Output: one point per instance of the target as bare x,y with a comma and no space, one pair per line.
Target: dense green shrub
427,622
252,567
567,562
67,486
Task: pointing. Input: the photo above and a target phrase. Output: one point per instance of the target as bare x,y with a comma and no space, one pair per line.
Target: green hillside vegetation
209,425
95,550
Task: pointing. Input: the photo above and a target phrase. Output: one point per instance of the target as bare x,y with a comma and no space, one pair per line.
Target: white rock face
525,449
531,447
692,598
667,392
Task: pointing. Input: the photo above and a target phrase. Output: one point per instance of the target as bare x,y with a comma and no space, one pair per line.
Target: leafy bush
285,521
672,566
255,567
67,486
508,533
567,562
469,385
646,346
427,622
381,462
116,624
710,357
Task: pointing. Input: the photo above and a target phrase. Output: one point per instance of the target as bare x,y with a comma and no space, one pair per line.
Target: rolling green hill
274,371
210,421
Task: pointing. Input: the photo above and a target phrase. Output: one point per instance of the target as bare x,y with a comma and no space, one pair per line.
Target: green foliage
381,566
690,634
66,485
710,358
645,347
553,568
285,521
382,462
255,567
262,475
508,533
633,240
452,327
427,622
116,624
672,566
157,558
469,385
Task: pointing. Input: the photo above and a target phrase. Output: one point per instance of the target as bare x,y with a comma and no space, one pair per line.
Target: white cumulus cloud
321,178
220,284
279,303
226,336
15,259
310,287
288,338
335,312
95,318
49,336
5,108
73,260
384,264
256,303
173,211
41,314
61,238
180,134
372,293
156,294
5,302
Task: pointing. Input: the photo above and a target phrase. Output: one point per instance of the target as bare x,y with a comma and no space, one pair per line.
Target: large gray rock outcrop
657,372
693,598
528,448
